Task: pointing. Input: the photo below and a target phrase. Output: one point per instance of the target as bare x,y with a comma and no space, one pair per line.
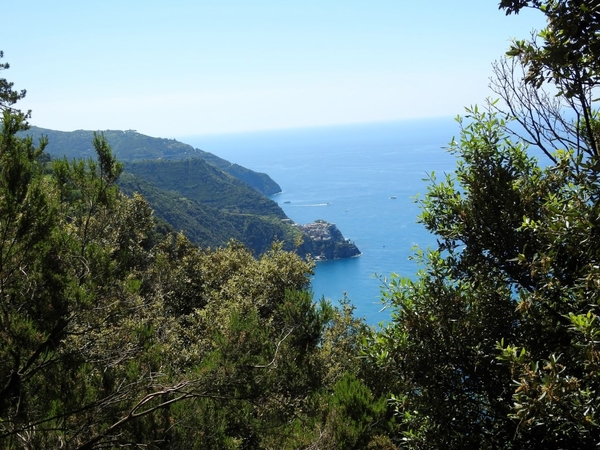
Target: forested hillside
116,333
208,198
211,225
132,146
200,181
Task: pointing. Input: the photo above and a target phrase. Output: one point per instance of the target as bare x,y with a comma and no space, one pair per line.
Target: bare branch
542,117
276,350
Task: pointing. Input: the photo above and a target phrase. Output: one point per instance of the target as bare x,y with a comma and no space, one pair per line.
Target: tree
8,96
111,336
510,294
102,336
568,56
494,344
440,349
68,258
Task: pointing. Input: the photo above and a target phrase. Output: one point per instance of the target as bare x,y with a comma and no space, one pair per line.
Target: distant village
327,241
319,230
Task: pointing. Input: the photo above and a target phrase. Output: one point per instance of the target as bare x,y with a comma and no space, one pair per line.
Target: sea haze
364,178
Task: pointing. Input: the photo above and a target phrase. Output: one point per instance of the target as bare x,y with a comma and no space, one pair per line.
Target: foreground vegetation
114,333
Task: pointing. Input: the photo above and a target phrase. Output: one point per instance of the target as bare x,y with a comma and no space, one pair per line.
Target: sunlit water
364,178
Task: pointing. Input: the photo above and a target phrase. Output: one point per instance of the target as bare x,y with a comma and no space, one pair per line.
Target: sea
365,178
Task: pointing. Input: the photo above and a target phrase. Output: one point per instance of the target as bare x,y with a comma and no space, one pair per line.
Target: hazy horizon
202,67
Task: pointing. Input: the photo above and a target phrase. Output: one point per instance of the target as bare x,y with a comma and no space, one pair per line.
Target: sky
180,68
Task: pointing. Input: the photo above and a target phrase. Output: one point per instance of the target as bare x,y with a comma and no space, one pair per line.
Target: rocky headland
324,241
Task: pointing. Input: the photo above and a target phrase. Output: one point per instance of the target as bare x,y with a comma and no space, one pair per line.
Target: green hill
210,226
259,181
132,146
208,198
198,180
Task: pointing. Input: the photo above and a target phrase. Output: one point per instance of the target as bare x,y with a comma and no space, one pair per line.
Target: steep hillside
209,226
202,182
132,146
208,198
260,181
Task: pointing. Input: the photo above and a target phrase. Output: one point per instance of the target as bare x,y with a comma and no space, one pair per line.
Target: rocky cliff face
325,241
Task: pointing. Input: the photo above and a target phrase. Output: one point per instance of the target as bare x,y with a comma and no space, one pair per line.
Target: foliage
110,338
193,191
568,56
259,181
492,345
197,180
353,413
8,96
568,53
127,145
439,352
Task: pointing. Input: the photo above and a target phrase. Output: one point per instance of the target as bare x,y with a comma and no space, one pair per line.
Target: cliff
325,241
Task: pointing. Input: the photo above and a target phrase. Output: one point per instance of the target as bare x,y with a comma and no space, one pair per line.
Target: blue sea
365,179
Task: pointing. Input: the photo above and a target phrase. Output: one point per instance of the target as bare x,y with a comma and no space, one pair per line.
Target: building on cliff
326,241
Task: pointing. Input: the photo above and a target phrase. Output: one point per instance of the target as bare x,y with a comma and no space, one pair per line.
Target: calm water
363,178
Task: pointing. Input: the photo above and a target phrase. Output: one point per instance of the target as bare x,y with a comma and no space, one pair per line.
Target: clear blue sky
176,68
